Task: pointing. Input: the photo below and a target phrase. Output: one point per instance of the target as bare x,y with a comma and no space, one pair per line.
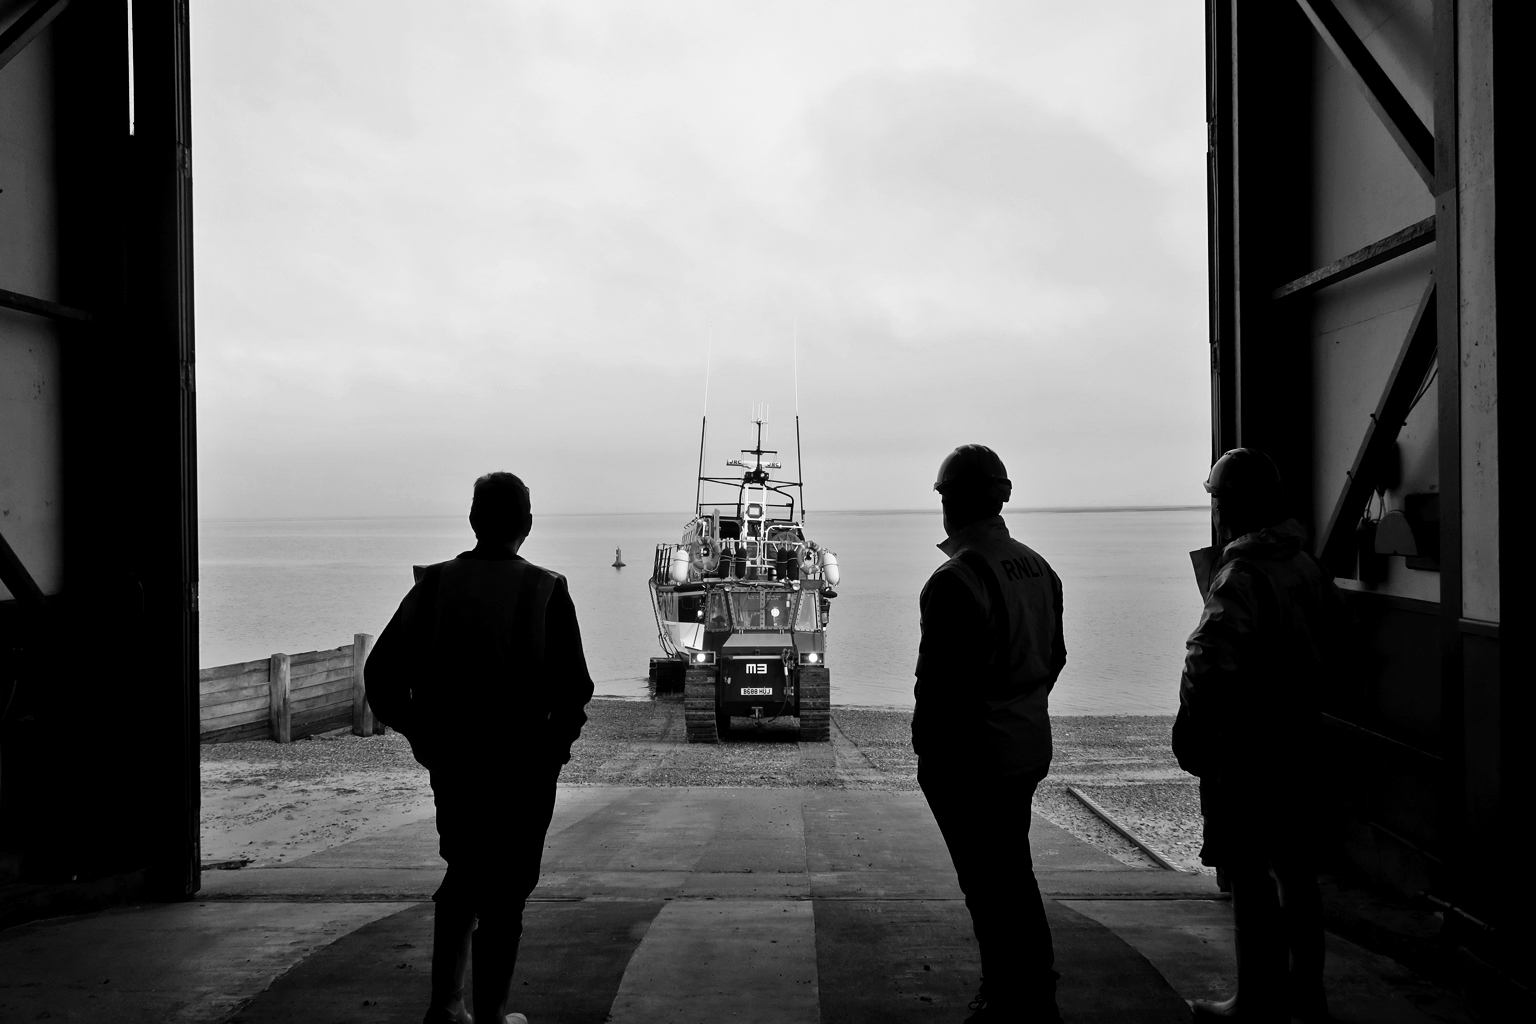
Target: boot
495,959
1261,954
1303,907
451,930
1214,1009
1038,1008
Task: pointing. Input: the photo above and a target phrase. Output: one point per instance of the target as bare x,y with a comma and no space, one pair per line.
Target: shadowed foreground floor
718,904
791,905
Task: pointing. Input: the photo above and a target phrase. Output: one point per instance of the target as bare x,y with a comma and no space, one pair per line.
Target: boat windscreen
806,619
719,617
762,609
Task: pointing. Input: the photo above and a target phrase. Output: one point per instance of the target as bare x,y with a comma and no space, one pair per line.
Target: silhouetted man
1249,726
482,670
991,650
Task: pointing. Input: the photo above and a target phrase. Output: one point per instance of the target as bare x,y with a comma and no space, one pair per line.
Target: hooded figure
1249,724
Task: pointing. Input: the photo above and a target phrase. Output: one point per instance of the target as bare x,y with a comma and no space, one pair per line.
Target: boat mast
698,483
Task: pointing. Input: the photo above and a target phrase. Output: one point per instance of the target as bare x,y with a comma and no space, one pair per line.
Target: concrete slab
1104,979
152,964
647,829
705,961
412,845
750,842
895,960
1190,942
1367,988
916,960
569,968
875,844
334,884
1055,849
716,904
1131,884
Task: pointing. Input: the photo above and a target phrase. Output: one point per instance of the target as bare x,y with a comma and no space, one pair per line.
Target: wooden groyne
287,696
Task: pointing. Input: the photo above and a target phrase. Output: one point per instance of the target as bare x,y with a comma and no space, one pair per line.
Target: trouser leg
496,942
1259,929
1302,907
511,873
452,924
985,824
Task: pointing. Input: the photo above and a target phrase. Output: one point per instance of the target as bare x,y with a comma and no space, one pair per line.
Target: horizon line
1028,510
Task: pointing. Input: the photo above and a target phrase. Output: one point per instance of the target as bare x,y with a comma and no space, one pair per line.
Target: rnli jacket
991,649
483,663
1250,700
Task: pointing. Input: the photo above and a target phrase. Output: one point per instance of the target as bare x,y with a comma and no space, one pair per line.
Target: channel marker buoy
618,558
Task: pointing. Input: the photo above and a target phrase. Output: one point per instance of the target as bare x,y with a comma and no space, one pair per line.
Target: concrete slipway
666,905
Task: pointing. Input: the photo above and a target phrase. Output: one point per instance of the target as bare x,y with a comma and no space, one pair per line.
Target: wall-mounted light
1394,536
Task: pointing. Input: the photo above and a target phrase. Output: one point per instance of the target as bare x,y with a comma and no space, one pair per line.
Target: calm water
299,585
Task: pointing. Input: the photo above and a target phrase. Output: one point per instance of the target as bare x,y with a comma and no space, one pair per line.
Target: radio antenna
794,343
698,485
794,348
709,355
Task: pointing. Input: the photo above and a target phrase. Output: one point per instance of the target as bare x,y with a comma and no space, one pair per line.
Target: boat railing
744,562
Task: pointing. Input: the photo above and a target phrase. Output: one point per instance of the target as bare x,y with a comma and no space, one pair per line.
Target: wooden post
362,715
280,716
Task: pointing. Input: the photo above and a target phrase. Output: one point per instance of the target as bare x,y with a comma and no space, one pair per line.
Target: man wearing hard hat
991,650
1250,724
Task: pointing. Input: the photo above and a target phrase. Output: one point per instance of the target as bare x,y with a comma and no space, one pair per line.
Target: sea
292,585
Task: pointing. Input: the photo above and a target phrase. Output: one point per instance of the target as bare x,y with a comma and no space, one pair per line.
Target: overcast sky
439,239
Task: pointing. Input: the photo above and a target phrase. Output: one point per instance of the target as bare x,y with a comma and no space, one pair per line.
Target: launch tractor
742,603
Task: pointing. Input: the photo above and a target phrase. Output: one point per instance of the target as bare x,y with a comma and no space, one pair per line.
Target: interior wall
1363,190
31,486
99,781
1415,722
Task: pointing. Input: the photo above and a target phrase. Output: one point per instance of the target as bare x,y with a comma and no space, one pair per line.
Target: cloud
428,247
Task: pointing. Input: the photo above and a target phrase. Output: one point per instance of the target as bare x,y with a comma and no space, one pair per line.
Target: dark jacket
1250,702
991,649
482,664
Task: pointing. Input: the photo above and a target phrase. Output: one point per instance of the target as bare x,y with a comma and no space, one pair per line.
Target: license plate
757,691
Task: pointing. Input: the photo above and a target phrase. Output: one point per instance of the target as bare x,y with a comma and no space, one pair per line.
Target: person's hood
1272,542
976,533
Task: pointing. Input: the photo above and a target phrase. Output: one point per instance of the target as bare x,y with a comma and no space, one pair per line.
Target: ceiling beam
28,27
42,307
1405,241
1415,140
17,580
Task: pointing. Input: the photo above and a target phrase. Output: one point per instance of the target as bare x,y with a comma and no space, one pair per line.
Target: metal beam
1415,140
28,27
1408,372
17,580
1469,736
1375,254
42,307
1221,205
